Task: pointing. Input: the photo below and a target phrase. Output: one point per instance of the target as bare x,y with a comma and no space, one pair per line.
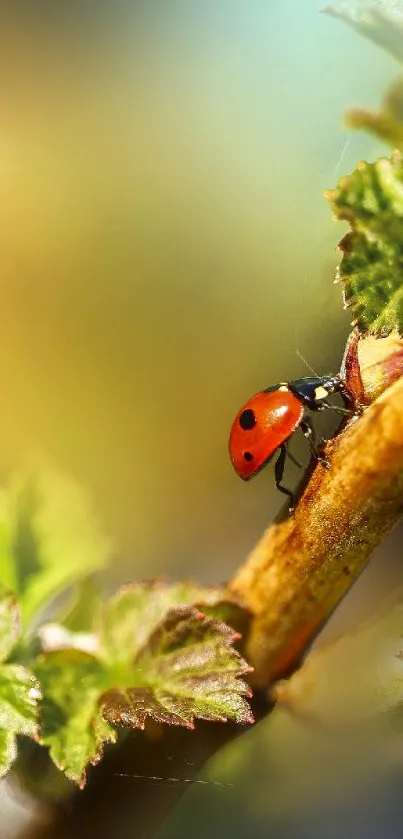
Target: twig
302,567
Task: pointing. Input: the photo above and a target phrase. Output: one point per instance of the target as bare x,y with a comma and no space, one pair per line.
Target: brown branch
303,566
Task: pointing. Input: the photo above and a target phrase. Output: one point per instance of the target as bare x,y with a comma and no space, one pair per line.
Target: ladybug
265,424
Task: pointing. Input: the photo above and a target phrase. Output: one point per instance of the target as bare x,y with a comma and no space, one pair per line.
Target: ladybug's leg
279,472
308,432
351,404
322,406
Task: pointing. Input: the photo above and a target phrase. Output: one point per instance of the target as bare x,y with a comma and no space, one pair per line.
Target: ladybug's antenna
299,354
306,363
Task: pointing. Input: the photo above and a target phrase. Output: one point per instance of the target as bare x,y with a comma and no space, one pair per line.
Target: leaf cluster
370,199
153,650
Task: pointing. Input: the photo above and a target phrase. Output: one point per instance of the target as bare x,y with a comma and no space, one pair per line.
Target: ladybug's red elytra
265,424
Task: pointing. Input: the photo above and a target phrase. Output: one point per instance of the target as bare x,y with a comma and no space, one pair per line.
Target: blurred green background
165,251
166,248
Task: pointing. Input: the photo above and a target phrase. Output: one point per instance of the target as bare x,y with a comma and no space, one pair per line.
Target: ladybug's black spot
248,456
247,419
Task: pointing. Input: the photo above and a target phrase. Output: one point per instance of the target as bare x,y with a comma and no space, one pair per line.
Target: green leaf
19,694
387,124
187,668
382,23
371,268
155,659
8,751
72,725
48,538
9,623
133,613
83,607
9,572
19,690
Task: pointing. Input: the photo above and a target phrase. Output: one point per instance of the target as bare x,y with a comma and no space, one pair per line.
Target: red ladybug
266,423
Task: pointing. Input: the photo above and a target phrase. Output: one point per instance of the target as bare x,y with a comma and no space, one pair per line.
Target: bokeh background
165,252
